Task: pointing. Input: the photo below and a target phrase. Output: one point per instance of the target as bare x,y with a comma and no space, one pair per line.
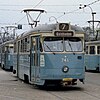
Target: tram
6,55
50,54
92,56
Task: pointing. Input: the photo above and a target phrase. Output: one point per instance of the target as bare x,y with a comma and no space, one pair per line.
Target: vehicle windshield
59,44
53,44
73,44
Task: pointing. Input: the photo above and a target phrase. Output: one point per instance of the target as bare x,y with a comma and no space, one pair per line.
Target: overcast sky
10,11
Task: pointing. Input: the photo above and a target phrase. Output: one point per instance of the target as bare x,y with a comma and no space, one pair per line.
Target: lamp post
93,13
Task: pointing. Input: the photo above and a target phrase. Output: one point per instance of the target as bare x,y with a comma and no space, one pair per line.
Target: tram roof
50,28
7,42
93,42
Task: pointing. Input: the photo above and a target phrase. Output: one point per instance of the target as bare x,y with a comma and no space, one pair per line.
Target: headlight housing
65,69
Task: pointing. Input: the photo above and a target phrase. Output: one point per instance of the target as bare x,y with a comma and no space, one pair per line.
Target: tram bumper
68,81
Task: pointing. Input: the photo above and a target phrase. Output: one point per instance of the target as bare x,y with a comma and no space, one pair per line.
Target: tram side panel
54,67
99,62
8,61
55,64
15,64
40,67
0,56
7,55
91,62
24,67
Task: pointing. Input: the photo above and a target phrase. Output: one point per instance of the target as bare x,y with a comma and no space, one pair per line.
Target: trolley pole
93,13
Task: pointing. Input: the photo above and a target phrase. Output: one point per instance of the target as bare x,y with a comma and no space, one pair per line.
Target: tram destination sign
64,33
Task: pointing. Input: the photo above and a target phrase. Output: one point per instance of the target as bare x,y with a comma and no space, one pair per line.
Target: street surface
11,88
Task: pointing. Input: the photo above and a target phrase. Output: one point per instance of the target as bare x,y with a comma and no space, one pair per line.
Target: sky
56,10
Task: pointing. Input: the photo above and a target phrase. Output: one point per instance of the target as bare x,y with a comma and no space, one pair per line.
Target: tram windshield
73,44
53,44
59,44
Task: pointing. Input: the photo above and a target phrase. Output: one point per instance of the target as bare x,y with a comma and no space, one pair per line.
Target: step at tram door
34,58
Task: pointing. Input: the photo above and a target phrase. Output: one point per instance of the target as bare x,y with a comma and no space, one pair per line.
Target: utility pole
93,21
92,13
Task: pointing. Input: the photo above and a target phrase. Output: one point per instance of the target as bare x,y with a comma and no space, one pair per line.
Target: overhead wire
93,2
38,3
77,9
64,13
33,7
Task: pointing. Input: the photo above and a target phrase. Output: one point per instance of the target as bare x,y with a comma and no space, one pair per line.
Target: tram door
34,58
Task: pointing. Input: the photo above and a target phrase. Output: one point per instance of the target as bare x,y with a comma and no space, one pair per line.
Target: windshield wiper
49,48
71,47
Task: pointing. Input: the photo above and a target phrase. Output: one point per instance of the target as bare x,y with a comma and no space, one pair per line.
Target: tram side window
92,49
11,49
7,49
25,45
98,50
3,49
28,45
21,46
14,47
86,49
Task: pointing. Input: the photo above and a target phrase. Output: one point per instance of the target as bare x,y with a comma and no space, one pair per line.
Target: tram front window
53,44
73,44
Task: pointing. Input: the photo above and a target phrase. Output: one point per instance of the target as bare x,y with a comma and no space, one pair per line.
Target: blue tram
6,55
50,54
92,56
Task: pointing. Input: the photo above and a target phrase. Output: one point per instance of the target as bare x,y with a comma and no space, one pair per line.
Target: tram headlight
65,69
